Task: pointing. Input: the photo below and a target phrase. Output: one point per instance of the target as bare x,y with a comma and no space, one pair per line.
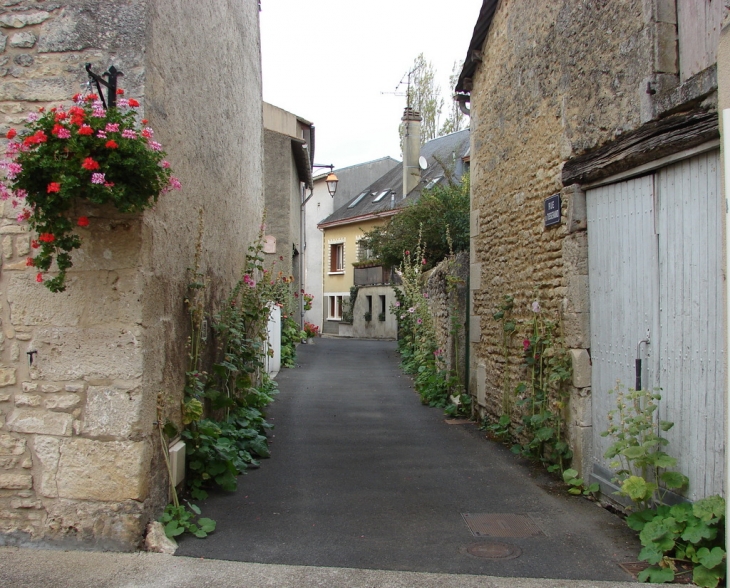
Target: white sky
328,61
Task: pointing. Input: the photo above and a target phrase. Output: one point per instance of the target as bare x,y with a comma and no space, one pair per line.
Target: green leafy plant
690,534
368,316
542,396
181,519
420,355
577,486
642,466
63,157
381,317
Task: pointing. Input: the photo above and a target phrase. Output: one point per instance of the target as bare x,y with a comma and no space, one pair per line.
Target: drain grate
494,550
501,525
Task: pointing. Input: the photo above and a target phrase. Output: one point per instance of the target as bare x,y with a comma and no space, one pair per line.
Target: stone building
608,112
80,458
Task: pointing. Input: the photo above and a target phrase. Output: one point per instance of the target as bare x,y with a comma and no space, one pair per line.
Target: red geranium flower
133,103
29,262
111,144
144,121
47,237
91,97
35,244
53,187
39,277
83,221
11,133
60,115
120,92
86,130
90,164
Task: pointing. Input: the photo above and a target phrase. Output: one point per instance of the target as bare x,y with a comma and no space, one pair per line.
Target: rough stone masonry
84,373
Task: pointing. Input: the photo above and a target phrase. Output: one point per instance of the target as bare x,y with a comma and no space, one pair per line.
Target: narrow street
364,476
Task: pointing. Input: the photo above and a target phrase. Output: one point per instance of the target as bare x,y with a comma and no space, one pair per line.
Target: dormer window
358,199
380,196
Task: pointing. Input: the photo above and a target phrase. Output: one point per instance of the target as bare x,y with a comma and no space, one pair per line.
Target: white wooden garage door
656,267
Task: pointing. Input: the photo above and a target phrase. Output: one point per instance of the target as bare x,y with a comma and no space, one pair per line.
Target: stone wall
446,286
556,79
80,460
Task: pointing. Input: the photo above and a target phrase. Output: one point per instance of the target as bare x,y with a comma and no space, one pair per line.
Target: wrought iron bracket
112,73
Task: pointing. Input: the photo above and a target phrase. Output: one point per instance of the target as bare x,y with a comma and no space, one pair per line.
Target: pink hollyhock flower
536,307
419,321
97,178
166,165
526,344
412,309
397,304
175,183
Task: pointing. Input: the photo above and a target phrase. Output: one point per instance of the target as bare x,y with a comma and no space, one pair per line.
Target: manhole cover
494,550
501,525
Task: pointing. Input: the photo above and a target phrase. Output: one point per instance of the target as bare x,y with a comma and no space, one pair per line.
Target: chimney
411,149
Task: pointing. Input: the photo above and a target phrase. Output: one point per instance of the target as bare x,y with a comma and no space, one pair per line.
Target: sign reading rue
552,210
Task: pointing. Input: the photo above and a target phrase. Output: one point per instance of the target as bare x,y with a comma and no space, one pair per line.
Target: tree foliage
424,95
455,119
439,215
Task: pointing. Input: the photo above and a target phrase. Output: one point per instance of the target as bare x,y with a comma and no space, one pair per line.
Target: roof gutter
474,54
358,219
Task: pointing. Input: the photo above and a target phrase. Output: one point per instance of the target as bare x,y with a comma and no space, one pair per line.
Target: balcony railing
375,275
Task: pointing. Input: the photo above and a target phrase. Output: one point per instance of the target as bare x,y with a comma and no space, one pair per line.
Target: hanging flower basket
63,157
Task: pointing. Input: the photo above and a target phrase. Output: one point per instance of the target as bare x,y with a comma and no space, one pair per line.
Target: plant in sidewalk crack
642,466
181,519
686,534
577,485
690,534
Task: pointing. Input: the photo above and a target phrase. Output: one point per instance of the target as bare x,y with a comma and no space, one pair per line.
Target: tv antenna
404,81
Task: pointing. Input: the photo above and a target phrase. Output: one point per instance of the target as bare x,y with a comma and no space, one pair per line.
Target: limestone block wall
80,459
556,79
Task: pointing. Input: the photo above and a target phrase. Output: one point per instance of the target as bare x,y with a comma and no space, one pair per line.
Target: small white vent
177,462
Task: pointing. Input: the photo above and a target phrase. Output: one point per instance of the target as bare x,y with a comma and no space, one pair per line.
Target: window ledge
342,273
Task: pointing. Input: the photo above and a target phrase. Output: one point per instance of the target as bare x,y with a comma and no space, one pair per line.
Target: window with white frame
337,258
334,308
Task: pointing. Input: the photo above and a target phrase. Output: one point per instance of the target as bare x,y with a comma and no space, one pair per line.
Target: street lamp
332,184
331,179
